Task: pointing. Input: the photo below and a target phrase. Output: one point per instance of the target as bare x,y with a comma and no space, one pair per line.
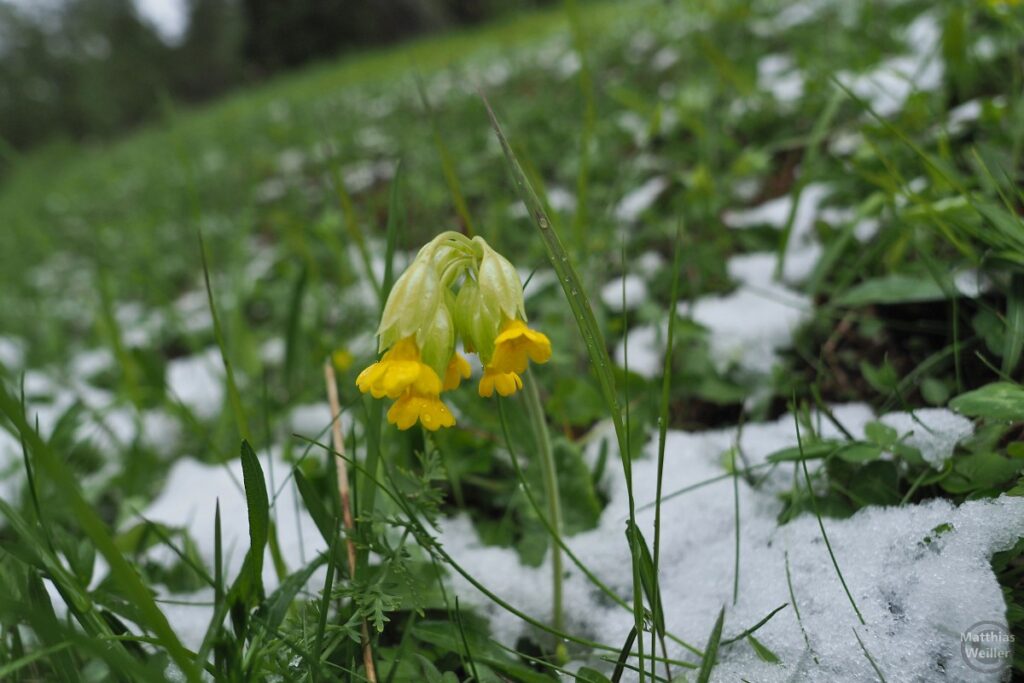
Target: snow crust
918,583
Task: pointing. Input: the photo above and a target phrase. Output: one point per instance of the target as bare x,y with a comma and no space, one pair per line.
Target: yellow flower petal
429,410
398,370
458,370
505,383
515,344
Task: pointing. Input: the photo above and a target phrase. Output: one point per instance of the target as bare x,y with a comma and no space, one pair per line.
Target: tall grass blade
122,573
592,337
711,650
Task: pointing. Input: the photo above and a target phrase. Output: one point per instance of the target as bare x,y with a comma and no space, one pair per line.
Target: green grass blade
711,651
593,338
871,660
1014,340
396,222
627,647
817,514
250,581
122,573
234,397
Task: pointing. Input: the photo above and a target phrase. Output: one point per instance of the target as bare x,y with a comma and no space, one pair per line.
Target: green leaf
934,391
763,652
648,578
1014,340
813,451
711,650
256,500
881,433
314,505
979,472
588,675
860,452
996,401
277,604
892,289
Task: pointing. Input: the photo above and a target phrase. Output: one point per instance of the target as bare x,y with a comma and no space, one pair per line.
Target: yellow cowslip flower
399,370
506,383
515,343
455,288
428,409
458,370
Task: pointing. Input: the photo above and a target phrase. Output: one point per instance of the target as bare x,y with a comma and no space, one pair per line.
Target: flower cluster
456,288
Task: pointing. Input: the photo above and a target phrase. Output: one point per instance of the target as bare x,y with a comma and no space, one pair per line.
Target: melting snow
198,383
642,198
918,587
12,353
888,86
933,431
188,501
635,292
747,328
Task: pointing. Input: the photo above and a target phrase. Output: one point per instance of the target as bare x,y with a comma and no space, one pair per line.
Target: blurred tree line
92,68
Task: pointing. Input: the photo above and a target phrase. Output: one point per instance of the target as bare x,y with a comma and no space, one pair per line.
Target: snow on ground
12,353
918,583
748,327
632,206
777,74
198,382
888,86
933,431
635,293
188,501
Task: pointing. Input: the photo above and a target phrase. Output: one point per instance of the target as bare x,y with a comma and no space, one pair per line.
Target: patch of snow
846,142
748,327
11,466
775,213
193,310
918,588
646,346
665,58
632,206
778,75
888,86
272,351
12,353
635,292
933,431
971,283
649,261
87,364
758,268
559,199
188,501
198,382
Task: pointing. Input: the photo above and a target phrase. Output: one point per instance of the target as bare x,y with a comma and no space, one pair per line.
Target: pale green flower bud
477,319
500,286
436,340
412,304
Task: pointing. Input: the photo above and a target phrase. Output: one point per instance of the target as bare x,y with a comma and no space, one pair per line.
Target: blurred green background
84,69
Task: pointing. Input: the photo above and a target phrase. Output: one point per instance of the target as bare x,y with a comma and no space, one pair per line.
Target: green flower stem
549,474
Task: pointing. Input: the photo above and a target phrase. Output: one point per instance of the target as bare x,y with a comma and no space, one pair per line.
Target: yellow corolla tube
455,288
